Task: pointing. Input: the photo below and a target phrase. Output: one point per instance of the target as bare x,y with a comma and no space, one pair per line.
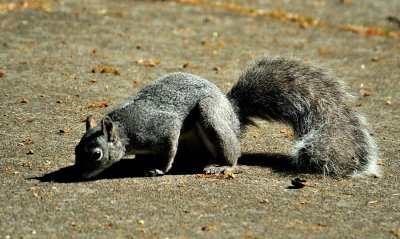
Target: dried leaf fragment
188,65
148,63
373,203
94,105
208,228
229,175
141,222
287,133
64,131
105,70
36,195
2,74
20,5
8,169
264,201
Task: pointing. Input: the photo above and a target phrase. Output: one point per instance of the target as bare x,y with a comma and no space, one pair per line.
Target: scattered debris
216,69
26,141
302,21
64,131
30,152
8,169
26,163
188,65
105,70
93,52
264,201
254,132
94,105
141,222
21,5
148,63
287,133
298,183
227,175
208,228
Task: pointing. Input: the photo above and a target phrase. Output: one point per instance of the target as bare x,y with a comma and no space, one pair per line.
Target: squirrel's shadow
137,167
276,162
125,168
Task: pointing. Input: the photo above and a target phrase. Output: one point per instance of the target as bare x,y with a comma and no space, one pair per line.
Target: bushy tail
332,137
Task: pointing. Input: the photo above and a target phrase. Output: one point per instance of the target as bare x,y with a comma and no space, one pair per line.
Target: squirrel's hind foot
155,173
216,169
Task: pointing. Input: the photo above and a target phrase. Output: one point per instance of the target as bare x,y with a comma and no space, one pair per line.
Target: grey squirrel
332,138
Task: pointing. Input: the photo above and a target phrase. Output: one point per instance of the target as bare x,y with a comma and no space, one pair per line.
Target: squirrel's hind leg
217,126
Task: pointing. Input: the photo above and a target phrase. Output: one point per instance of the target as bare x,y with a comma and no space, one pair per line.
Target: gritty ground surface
48,52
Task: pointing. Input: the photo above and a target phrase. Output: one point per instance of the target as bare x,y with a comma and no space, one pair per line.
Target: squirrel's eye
96,155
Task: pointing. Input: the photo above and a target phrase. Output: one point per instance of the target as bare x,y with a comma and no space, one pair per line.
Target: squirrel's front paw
154,173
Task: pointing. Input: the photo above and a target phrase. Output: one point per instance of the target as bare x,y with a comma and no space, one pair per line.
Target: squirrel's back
176,92
332,137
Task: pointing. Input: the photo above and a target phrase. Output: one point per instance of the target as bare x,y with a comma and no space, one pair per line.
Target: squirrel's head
99,148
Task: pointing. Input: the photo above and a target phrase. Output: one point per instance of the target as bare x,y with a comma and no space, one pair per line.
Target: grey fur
155,119
332,137
183,108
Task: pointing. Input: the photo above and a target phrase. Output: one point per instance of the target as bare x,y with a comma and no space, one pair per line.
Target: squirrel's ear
90,123
107,127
